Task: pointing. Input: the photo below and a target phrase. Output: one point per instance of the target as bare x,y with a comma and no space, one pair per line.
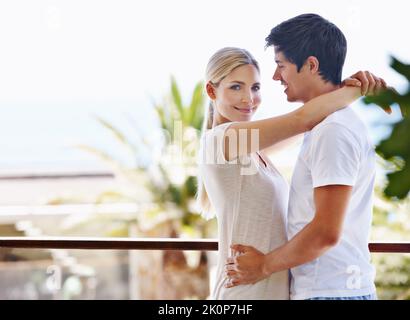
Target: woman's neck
219,119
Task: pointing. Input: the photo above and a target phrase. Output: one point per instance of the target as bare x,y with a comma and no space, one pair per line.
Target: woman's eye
256,88
235,87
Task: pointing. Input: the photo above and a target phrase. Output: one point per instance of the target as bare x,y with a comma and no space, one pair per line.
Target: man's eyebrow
278,61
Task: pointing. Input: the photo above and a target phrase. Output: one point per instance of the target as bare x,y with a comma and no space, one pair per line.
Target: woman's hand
369,83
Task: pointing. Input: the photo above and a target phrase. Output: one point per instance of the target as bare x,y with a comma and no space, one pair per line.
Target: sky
63,62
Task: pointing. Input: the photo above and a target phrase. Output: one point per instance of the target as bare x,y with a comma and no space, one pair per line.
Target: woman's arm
275,129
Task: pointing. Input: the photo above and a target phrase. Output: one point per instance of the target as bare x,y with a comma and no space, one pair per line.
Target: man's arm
322,233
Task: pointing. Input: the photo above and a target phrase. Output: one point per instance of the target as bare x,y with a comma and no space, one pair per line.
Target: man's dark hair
311,35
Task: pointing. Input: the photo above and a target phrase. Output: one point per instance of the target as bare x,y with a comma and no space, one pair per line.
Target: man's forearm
307,245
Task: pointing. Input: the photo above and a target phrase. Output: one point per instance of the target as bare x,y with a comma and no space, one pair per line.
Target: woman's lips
245,110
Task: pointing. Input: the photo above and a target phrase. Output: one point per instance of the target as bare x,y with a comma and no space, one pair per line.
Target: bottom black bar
202,309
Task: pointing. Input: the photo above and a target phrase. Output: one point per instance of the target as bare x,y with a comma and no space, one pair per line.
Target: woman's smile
246,110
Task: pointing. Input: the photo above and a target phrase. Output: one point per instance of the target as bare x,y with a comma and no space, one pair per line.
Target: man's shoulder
345,120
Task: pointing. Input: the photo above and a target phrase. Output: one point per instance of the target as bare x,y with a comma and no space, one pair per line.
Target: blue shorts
372,296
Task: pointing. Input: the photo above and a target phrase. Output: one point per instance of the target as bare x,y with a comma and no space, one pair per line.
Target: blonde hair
222,63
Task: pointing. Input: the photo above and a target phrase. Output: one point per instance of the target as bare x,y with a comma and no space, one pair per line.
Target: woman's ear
210,90
313,64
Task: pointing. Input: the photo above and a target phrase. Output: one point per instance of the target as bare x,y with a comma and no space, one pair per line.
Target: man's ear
210,90
312,64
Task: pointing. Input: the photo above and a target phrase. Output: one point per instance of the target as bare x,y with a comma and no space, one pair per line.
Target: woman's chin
243,117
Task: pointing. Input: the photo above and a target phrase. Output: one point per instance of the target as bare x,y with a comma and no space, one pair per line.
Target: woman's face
237,96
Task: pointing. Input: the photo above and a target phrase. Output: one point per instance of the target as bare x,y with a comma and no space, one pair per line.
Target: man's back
336,152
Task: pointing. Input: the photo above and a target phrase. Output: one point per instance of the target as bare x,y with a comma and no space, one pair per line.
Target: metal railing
91,243
56,176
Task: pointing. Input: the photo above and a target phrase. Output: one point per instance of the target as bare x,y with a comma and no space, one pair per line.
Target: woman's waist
274,287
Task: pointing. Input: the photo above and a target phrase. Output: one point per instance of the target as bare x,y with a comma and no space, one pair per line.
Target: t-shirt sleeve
214,145
335,156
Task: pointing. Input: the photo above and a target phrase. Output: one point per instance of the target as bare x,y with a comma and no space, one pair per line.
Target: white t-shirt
337,151
250,202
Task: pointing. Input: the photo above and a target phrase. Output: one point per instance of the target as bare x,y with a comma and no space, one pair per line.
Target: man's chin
293,98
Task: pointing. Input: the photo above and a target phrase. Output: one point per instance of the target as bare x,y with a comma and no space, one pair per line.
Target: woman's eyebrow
241,82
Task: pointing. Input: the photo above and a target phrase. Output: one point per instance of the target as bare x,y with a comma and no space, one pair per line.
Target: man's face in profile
295,82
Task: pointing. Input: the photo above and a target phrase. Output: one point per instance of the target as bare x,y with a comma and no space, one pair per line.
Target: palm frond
176,98
196,108
118,135
101,154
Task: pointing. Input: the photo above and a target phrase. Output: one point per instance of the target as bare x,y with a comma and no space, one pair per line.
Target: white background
62,61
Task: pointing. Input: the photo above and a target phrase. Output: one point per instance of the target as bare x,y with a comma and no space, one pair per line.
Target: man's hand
246,266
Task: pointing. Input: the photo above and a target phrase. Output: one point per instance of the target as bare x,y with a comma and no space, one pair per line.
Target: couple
321,234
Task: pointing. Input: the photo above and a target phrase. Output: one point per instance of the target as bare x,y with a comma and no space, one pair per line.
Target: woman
236,181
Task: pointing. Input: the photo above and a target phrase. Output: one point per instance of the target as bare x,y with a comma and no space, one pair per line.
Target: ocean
45,137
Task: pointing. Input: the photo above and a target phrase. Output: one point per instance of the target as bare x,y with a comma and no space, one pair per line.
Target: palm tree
170,184
171,181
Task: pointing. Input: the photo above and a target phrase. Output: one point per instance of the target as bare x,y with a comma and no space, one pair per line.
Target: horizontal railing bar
48,176
150,244
66,209
393,247
108,243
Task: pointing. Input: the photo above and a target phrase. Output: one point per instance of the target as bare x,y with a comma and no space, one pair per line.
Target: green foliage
396,147
390,221
393,277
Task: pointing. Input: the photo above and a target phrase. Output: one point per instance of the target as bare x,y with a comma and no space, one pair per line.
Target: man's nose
276,76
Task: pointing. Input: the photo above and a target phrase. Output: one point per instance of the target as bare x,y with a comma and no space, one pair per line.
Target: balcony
45,265
130,245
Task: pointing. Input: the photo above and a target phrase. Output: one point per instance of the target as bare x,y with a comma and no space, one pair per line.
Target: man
330,204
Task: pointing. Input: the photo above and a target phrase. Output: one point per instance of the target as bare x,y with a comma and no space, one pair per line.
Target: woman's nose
247,98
